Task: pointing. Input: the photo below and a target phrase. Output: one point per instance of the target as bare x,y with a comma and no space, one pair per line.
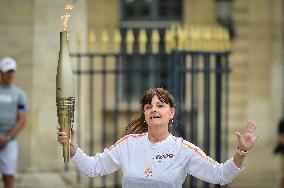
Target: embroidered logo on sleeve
148,171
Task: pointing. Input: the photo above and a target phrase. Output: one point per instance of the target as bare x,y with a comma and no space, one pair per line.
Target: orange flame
66,16
64,20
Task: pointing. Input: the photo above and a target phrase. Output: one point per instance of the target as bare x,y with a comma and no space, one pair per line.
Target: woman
154,157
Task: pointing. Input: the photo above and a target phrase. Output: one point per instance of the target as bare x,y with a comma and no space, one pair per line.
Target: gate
109,86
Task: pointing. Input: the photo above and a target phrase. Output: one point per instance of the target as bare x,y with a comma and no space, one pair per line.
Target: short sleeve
22,102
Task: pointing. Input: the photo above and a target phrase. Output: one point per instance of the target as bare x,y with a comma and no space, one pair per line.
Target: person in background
13,109
150,156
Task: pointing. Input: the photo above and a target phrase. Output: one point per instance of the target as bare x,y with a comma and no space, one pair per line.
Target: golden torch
65,97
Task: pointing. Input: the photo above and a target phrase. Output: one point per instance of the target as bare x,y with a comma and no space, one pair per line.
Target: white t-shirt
163,164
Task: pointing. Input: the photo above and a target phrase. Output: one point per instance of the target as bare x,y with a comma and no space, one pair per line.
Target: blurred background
221,59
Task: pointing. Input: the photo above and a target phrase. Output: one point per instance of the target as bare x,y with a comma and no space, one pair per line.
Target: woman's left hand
247,141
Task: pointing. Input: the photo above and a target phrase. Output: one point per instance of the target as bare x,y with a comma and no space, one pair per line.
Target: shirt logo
148,171
167,156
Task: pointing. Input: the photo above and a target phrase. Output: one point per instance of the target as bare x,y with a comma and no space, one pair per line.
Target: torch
65,98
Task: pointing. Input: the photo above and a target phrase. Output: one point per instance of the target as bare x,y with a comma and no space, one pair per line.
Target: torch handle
65,126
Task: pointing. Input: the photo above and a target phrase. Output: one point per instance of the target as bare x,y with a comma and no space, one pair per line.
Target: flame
64,19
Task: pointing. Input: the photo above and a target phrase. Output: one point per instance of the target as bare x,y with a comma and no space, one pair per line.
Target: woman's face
158,113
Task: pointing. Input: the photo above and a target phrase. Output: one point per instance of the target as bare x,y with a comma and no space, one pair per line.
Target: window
148,15
151,10
224,15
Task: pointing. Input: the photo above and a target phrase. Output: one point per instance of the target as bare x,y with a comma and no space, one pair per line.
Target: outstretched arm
100,164
246,142
205,168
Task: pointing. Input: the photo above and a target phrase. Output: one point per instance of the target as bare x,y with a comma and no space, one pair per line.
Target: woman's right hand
62,139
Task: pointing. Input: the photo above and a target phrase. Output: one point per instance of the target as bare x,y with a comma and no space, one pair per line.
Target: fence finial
142,40
155,41
187,37
207,39
117,41
91,41
129,41
181,36
104,40
194,37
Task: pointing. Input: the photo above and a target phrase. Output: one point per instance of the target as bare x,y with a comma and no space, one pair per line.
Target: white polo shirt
163,164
